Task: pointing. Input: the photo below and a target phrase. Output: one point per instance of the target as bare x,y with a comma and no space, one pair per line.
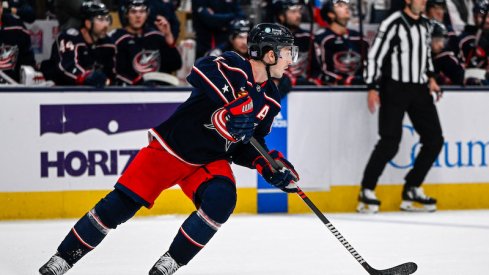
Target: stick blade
402,269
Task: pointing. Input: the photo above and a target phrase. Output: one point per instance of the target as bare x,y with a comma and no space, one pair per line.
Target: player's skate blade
415,200
165,265
367,201
55,266
410,206
367,208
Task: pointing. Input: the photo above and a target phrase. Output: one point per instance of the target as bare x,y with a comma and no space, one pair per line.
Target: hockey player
306,71
448,69
342,49
15,46
142,49
238,35
83,56
232,100
157,9
473,51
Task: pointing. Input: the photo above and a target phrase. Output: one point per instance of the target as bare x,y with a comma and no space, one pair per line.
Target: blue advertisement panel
271,199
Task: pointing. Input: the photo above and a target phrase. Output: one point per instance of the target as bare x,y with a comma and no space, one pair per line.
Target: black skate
415,200
165,265
55,266
367,201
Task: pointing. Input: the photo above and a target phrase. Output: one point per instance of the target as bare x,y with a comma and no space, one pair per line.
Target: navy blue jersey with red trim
15,46
473,56
341,57
192,134
307,69
71,58
137,55
448,69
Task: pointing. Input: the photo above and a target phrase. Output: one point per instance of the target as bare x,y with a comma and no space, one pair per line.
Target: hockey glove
93,78
284,179
240,120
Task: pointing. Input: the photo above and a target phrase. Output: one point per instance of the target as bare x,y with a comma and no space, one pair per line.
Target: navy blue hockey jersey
137,55
341,56
71,57
15,46
306,70
190,133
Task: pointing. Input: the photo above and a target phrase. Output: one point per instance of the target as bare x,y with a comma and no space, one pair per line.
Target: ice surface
446,242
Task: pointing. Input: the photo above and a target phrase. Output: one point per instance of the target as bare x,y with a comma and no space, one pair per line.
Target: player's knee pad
217,199
116,208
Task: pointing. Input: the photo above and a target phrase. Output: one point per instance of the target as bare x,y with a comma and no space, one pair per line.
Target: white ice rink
445,243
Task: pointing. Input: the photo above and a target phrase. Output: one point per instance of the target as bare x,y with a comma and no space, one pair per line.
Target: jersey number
66,46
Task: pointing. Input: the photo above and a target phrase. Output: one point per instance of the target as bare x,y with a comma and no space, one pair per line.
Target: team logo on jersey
218,124
347,62
147,61
8,56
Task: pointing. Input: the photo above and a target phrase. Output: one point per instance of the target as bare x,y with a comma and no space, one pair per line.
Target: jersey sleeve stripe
210,84
225,77
122,38
76,59
273,101
232,68
66,72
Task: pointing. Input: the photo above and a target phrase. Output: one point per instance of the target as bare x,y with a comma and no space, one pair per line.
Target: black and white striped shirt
401,51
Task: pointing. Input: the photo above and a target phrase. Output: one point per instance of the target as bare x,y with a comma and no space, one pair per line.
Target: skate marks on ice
448,243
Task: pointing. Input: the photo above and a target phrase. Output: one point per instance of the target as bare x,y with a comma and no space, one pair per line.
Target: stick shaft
311,205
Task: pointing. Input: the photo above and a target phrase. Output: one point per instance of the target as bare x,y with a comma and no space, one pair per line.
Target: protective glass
289,53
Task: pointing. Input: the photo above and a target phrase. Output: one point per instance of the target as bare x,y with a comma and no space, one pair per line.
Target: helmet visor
289,53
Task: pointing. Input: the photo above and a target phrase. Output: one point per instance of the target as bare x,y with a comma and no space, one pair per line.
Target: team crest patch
147,61
8,57
218,124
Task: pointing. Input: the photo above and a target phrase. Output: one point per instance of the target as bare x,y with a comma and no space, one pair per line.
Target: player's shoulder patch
72,32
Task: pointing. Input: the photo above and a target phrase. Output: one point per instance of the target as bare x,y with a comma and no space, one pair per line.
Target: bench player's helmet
270,36
328,6
135,4
431,3
238,26
438,29
91,9
480,7
281,6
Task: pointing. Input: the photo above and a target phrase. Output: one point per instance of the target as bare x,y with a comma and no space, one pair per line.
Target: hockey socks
87,233
192,236
91,229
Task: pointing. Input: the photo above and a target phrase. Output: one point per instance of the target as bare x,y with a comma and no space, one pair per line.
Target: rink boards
62,150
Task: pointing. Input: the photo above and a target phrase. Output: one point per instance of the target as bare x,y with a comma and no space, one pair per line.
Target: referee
400,78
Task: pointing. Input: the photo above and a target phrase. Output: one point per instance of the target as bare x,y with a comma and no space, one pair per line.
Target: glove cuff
262,166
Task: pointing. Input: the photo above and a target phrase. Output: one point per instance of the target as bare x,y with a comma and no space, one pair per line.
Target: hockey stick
402,269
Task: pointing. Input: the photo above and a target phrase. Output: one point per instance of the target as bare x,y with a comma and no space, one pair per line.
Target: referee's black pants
396,99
